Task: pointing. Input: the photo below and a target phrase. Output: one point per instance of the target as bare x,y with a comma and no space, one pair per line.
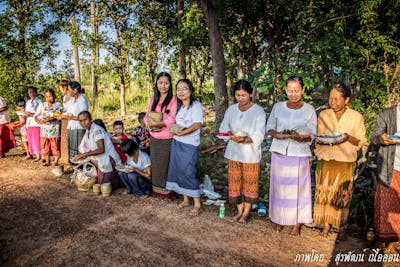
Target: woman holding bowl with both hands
290,185
163,102
336,161
245,121
182,171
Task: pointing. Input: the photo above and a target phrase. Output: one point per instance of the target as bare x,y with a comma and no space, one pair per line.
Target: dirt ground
45,221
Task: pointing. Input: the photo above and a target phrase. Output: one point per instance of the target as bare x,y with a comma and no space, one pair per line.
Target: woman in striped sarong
336,161
161,138
290,185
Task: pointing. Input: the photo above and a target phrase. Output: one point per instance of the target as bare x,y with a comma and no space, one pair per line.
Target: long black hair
192,95
157,93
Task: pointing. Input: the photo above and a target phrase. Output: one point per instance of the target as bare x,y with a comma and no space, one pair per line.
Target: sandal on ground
46,164
195,211
28,157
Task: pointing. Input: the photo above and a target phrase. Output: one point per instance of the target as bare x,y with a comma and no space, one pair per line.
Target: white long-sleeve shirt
283,118
33,107
252,122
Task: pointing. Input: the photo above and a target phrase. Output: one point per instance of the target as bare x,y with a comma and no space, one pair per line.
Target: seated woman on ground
99,148
136,175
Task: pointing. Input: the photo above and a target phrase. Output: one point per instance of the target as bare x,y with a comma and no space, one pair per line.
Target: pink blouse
168,119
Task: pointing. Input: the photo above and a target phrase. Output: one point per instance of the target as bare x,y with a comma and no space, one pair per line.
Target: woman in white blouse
245,122
182,171
290,177
75,105
99,147
32,109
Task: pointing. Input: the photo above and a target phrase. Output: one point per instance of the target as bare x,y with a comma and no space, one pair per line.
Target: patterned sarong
333,192
387,210
243,182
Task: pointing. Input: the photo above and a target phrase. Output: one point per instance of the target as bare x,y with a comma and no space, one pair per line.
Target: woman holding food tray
244,122
341,133
291,124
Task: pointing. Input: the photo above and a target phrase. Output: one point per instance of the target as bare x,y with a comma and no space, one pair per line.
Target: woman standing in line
290,186
7,140
32,107
165,103
336,161
182,171
245,123
74,106
49,128
63,86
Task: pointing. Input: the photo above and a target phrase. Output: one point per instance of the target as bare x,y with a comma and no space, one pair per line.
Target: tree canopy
262,41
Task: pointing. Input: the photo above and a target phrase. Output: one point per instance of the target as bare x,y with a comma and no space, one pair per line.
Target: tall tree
26,39
95,48
218,63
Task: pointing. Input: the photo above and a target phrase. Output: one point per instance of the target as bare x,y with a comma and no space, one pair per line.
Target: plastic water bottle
222,210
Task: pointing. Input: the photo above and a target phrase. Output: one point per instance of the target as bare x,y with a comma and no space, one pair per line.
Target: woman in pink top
161,138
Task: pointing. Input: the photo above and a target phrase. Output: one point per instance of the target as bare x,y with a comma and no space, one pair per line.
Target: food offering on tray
240,133
330,137
224,136
123,167
176,128
285,134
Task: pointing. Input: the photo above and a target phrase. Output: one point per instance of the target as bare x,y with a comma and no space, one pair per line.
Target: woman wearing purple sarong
290,184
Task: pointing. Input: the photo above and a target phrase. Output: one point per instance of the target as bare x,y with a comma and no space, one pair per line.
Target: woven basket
157,117
86,176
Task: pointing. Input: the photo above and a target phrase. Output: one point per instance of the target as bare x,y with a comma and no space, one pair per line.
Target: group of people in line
161,155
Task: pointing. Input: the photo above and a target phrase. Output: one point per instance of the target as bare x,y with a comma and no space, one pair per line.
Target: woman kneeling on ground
101,150
137,176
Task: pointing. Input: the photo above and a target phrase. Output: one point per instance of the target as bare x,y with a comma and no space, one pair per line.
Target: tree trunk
95,50
75,52
218,63
22,45
182,53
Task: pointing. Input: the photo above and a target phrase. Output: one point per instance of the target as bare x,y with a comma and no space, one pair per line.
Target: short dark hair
51,91
343,89
118,123
295,78
86,113
76,86
242,85
33,88
100,122
141,116
129,147
20,102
